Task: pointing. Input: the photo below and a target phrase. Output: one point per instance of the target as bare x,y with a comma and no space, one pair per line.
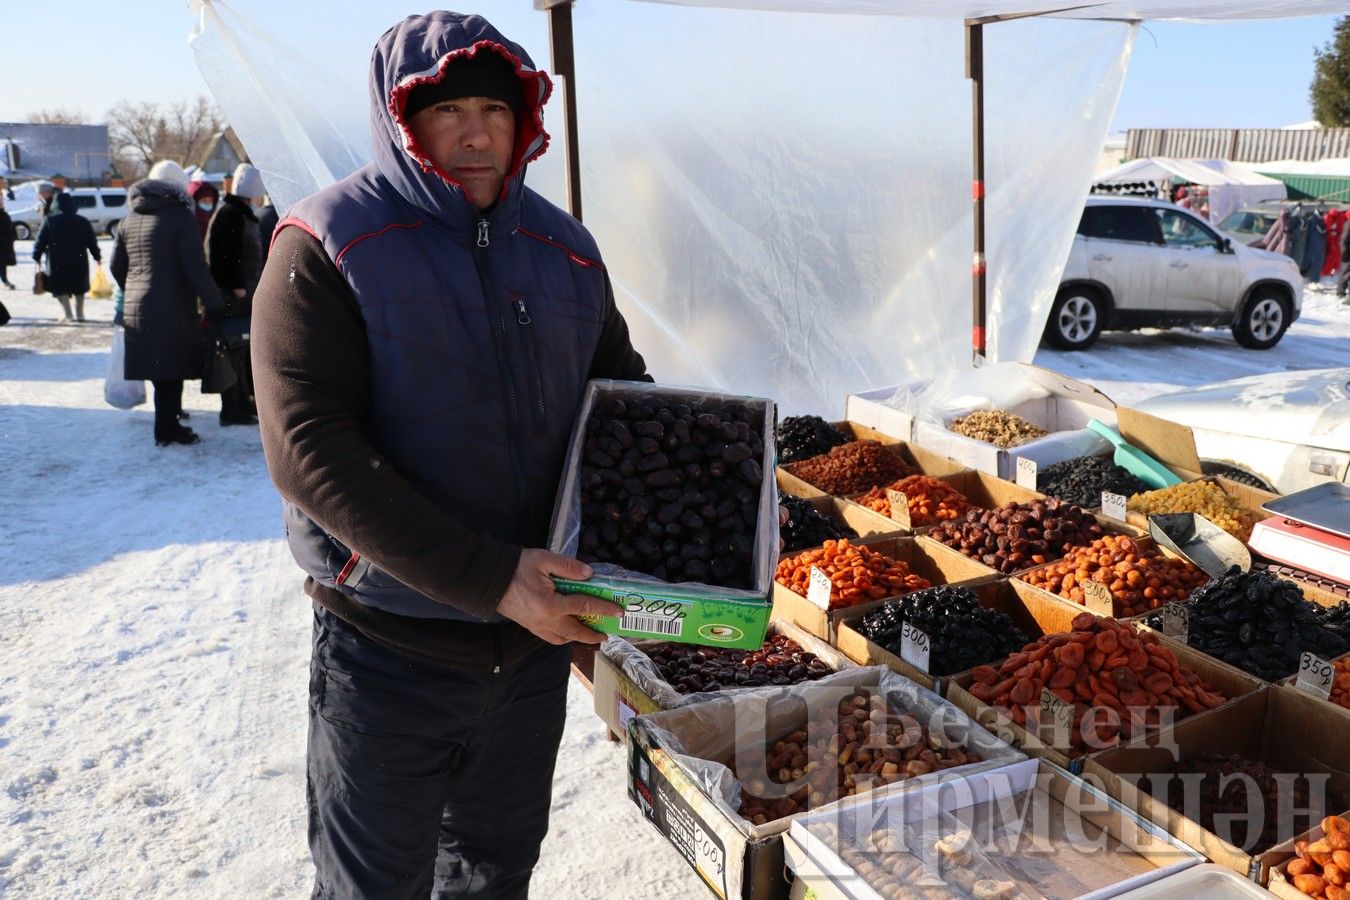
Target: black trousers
424,781
168,404
237,402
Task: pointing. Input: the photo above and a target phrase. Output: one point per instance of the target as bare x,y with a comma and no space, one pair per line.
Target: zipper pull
482,232
522,315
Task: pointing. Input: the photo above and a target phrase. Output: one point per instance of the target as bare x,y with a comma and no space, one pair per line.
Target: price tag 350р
1315,675
1176,622
1113,506
820,589
915,646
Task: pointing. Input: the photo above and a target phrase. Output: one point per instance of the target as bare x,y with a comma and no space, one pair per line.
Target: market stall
1226,186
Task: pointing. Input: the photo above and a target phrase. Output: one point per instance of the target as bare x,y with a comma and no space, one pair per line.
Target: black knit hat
484,75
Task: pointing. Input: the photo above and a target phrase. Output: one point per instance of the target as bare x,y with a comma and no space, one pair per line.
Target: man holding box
421,338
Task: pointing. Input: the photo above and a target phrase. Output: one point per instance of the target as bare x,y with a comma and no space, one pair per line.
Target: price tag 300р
1315,675
820,589
1098,600
899,508
915,647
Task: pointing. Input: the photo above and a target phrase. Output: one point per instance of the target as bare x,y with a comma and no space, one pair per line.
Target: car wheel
1264,320
1076,319
22,231
1234,473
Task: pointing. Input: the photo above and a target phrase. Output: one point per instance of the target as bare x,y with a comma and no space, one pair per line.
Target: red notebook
1304,547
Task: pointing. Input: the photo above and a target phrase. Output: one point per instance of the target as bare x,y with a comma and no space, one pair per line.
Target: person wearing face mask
234,252
204,199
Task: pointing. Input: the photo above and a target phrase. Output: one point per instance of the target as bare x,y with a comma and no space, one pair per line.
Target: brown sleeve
614,355
311,371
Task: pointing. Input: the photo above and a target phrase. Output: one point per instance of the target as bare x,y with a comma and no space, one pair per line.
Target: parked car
1284,431
1140,263
104,207
1250,223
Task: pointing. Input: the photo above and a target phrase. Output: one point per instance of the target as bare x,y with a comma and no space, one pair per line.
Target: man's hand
531,601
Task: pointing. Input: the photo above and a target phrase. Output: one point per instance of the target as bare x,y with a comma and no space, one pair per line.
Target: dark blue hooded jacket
482,329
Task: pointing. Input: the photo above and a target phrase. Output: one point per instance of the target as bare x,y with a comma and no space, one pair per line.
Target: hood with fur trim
416,51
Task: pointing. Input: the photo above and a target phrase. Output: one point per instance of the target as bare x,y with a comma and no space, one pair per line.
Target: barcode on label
651,624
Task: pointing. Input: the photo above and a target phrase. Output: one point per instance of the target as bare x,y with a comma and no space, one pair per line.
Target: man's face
471,139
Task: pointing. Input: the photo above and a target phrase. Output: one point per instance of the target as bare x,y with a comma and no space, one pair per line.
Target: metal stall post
563,63
975,72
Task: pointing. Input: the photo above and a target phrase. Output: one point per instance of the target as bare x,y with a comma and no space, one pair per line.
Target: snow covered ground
154,640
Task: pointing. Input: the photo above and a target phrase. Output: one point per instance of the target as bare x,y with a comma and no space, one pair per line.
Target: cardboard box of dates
669,494
723,778
1279,741
1026,830
647,676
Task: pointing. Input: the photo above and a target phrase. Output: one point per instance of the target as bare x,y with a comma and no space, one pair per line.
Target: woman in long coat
159,263
7,257
64,238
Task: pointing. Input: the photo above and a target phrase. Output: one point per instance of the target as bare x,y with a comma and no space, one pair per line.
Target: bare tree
58,115
142,133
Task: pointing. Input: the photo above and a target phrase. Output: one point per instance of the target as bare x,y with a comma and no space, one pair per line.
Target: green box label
654,611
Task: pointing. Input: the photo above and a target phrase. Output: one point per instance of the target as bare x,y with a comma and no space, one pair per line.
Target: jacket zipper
496,651
536,379
499,339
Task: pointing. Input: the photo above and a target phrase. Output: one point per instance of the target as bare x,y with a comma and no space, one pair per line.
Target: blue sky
1247,74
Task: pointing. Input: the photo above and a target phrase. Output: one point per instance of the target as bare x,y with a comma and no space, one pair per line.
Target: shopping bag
117,390
100,286
218,375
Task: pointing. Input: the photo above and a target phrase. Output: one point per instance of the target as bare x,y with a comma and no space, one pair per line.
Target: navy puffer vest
482,327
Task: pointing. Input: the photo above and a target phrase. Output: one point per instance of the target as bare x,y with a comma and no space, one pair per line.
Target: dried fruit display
1203,497
1321,868
871,746
997,427
1118,681
696,670
672,489
1081,480
1261,624
802,437
1222,793
930,500
1139,579
962,633
806,527
851,468
1019,535
858,574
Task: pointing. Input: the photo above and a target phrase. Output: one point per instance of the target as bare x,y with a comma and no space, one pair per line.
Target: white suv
1148,263
104,207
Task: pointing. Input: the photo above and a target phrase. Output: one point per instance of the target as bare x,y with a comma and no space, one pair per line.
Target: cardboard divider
937,568
1171,444
1053,615
1276,860
998,595
1045,831
924,461
1278,726
868,524
671,784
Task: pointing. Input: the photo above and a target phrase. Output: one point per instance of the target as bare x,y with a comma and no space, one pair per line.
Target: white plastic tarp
783,200
1194,10
1230,187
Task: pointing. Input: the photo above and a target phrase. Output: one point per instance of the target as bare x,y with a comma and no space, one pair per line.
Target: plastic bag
117,390
100,285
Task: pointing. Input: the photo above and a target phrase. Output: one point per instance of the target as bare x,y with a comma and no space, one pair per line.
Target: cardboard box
1052,616
1032,825
1276,860
869,408
673,754
998,595
1245,496
949,568
690,613
1064,411
925,462
1208,881
627,683
1287,730
868,524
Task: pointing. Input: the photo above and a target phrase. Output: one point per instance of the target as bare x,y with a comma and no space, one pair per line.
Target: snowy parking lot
154,640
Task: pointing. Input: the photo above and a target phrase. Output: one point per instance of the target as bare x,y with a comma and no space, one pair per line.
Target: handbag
117,390
218,373
40,282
